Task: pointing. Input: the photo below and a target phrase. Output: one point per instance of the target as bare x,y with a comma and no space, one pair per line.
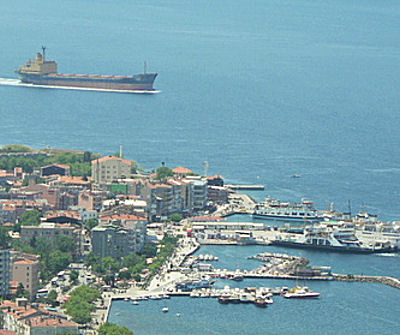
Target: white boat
277,210
165,309
135,302
299,292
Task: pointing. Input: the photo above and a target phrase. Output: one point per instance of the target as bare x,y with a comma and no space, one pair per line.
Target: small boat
178,315
135,302
155,297
165,309
260,303
300,293
237,277
223,300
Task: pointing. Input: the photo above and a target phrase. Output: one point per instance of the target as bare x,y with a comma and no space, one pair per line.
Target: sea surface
261,90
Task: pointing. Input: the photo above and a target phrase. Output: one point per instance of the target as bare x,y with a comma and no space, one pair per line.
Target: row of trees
134,264
80,164
109,328
81,304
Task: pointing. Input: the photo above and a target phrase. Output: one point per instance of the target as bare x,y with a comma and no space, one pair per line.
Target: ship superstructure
275,209
44,72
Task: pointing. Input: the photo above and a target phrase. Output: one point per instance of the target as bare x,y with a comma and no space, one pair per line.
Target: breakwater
389,281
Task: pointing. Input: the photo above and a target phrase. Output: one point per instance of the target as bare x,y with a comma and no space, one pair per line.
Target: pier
245,187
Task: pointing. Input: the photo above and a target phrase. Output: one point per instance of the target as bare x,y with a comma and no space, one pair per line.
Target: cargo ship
44,72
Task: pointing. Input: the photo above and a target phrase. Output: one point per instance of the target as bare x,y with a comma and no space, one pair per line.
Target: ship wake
17,82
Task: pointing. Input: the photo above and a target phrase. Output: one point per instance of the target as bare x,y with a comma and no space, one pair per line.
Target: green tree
176,217
149,250
87,156
15,148
87,293
90,224
5,238
109,328
80,305
65,243
58,261
74,275
132,260
21,292
91,259
163,172
51,298
110,264
30,218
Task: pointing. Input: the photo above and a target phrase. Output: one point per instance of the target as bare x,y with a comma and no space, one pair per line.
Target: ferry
334,239
277,210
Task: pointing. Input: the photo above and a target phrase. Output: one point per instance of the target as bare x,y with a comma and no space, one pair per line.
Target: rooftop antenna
43,53
145,67
206,165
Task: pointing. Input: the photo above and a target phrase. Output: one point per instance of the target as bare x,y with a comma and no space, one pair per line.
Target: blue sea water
260,89
354,308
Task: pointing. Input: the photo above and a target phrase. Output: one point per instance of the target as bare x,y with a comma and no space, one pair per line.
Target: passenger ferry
277,210
333,238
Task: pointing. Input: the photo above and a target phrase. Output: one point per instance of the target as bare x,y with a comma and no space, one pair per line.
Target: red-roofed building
26,319
109,168
26,272
181,171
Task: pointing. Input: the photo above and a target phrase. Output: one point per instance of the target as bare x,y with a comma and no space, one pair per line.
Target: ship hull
284,217
140,82
344,249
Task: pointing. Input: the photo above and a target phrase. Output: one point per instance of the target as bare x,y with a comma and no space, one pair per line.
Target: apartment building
109,168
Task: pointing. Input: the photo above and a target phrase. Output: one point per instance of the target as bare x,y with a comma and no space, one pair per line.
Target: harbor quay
188,275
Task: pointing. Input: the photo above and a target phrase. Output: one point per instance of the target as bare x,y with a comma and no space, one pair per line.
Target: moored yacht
300,293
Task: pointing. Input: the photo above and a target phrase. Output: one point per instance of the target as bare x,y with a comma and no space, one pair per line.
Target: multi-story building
112,241
5,271
199,193
50,231
26,272
91,200
25,319
109,168
135,225
160,199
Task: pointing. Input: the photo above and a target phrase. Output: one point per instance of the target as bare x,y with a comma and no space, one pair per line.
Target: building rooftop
108,158
181,170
